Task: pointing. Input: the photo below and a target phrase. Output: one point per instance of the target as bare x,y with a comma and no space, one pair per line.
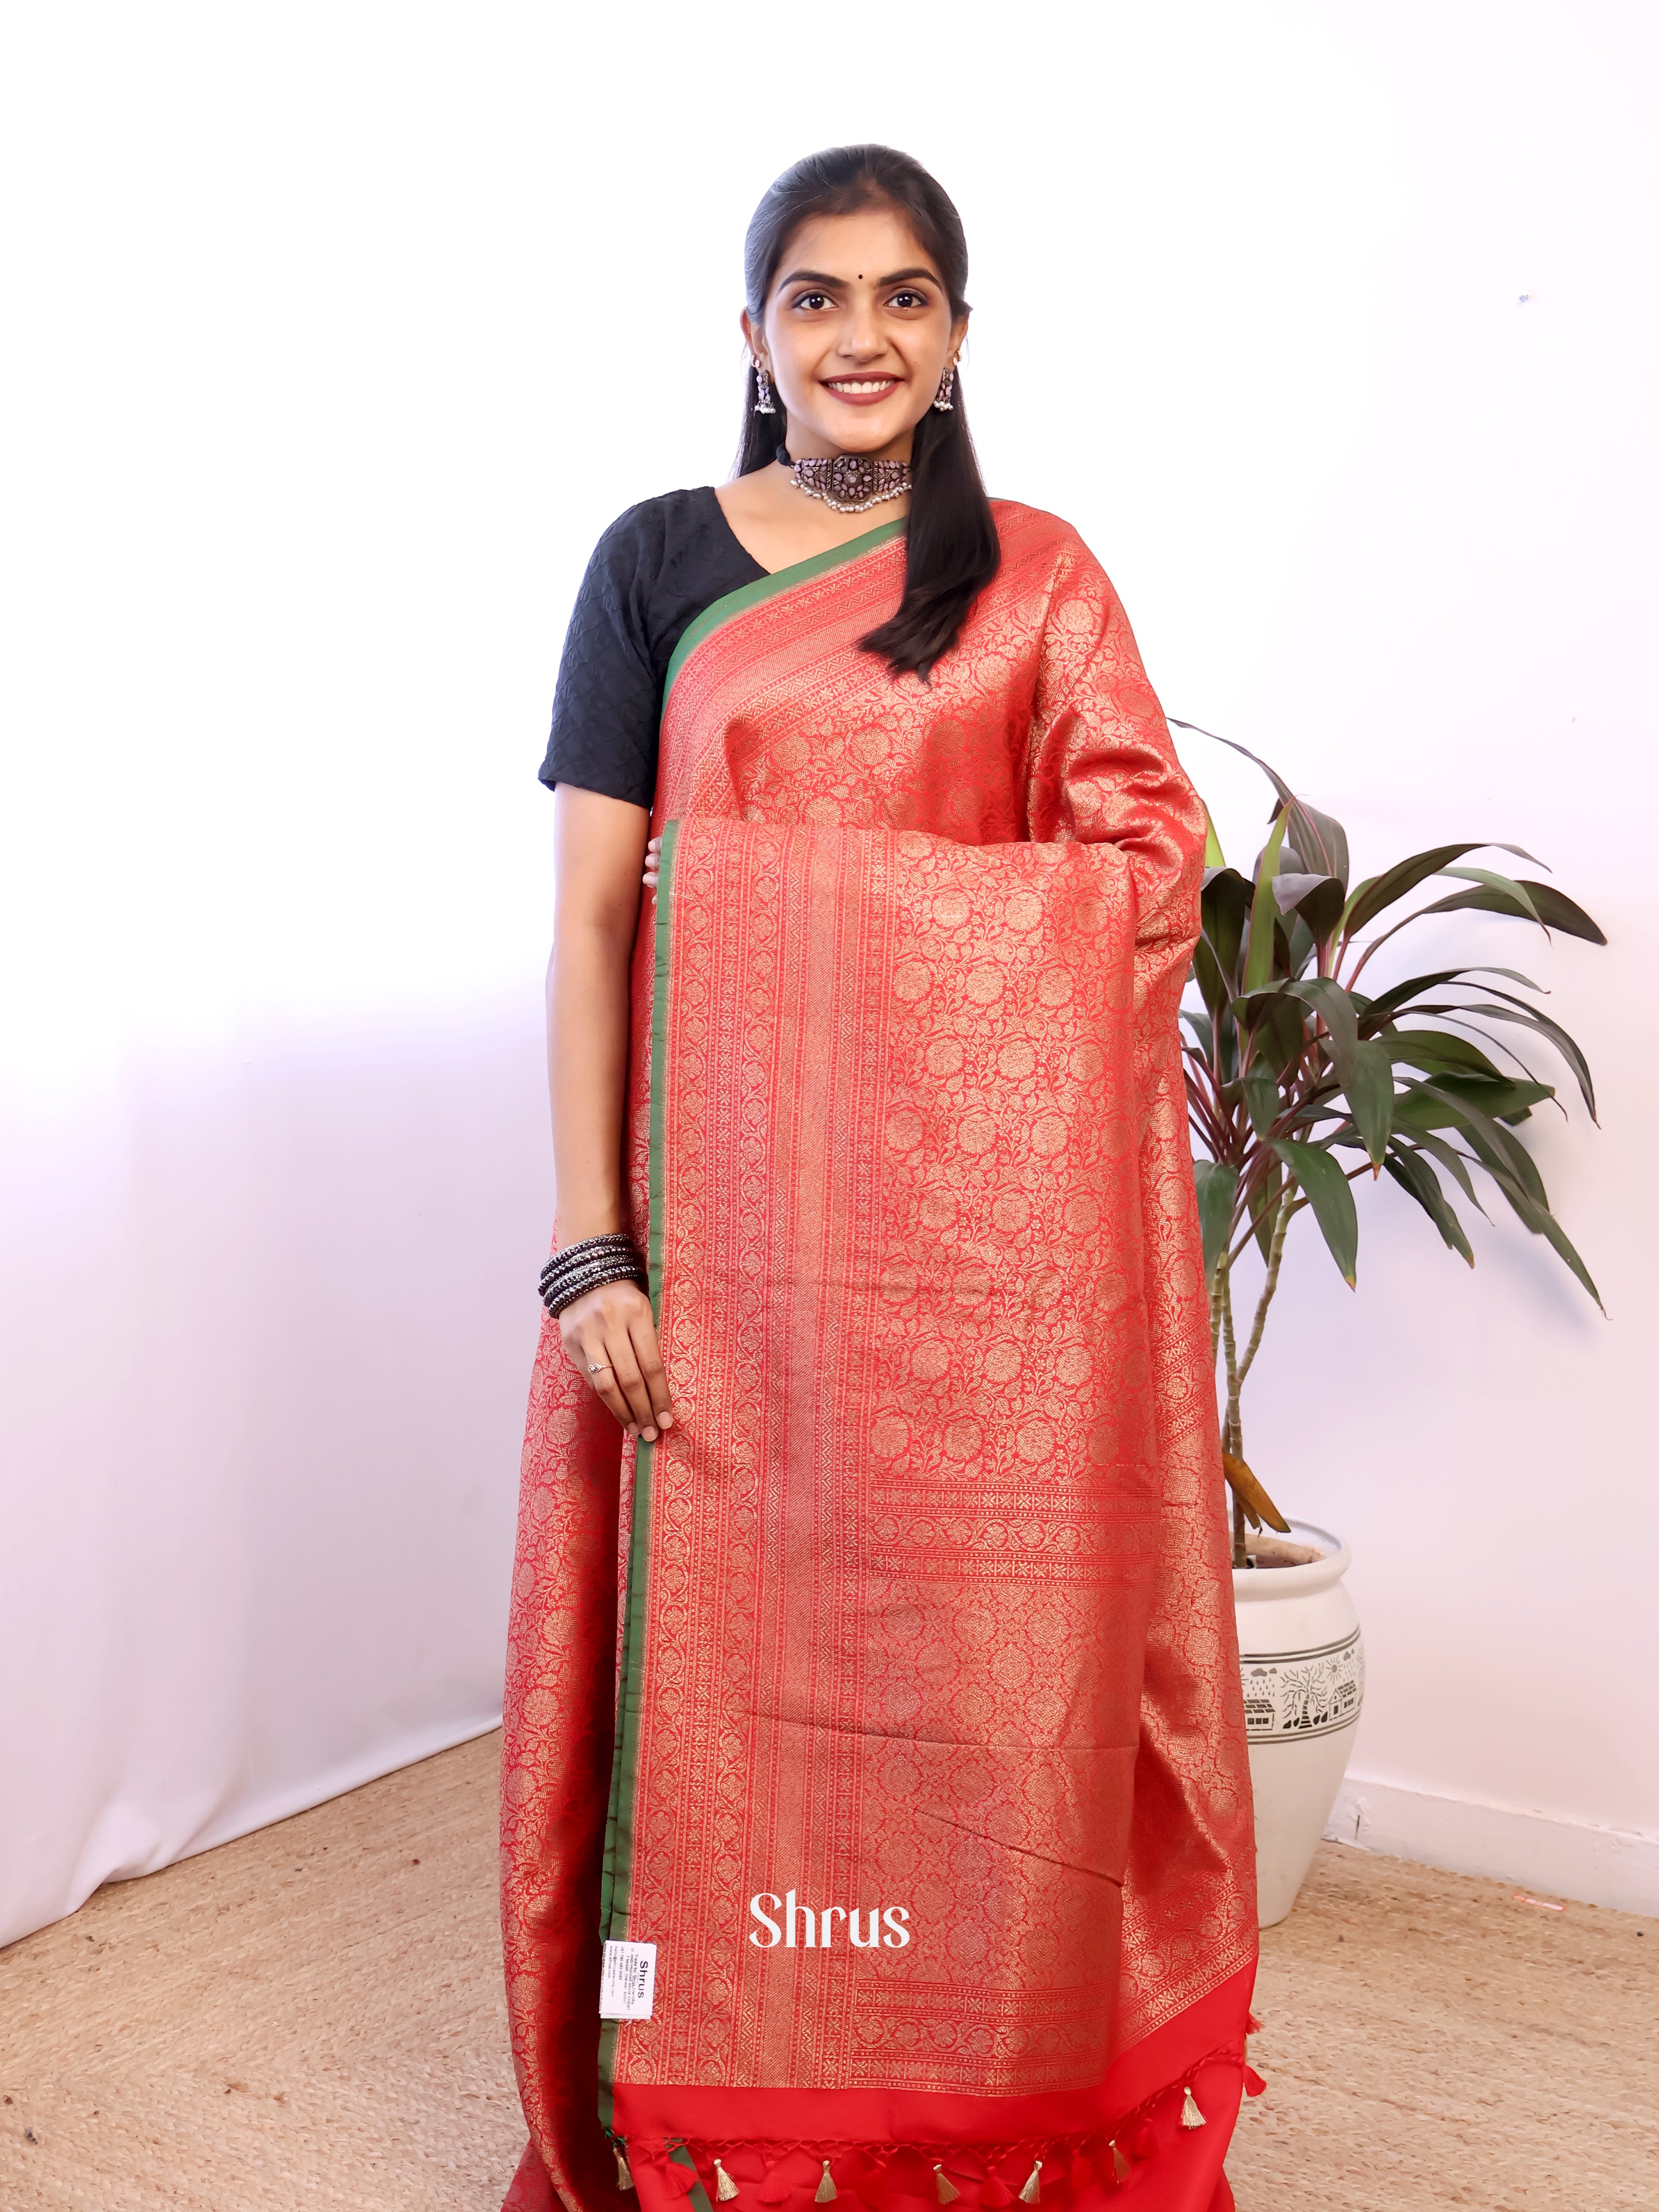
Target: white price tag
628,1981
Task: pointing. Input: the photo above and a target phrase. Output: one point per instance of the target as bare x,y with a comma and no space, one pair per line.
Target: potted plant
1303,1077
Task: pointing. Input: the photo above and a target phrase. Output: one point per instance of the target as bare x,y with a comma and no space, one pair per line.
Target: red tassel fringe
867,2171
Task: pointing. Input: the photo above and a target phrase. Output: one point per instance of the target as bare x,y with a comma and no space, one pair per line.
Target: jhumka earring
763,390
942,397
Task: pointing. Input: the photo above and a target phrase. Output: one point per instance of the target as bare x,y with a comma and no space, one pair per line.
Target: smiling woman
876,1375
856,271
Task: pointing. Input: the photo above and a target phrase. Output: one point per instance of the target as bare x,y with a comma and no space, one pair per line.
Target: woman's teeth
862,387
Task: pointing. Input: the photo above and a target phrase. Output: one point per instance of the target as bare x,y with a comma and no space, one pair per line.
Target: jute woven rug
311,2017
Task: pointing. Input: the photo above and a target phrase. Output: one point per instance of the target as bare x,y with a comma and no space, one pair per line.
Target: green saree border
767,587
616,1880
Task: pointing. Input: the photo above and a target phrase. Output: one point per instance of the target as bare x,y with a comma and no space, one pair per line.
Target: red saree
924,1659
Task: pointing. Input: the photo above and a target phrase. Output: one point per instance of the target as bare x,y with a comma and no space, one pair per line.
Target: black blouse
652,574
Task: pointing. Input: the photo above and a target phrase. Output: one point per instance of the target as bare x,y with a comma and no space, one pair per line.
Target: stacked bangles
597,1261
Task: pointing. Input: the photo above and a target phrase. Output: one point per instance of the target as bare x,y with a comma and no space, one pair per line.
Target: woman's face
856,335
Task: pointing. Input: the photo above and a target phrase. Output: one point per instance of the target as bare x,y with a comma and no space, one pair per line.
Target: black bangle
612,1241
588,1266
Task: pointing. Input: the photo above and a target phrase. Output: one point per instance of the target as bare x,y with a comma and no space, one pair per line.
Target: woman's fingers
631,1383
605,1385
585,1349
653,863
642,1331
611,1338
587,1329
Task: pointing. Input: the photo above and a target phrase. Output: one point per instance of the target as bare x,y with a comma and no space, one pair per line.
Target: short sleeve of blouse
652,573
607,701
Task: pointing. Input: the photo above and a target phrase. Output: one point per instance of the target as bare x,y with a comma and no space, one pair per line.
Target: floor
311,2017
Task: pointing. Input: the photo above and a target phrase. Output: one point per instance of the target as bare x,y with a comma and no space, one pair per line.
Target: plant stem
1231,1434
1275,1253
1225,1297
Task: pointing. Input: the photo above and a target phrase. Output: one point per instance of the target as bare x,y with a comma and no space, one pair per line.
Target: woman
907,1786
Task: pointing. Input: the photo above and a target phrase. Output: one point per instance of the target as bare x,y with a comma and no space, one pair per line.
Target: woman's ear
754,336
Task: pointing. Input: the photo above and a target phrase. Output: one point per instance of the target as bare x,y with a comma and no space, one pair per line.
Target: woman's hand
610,1337
653,865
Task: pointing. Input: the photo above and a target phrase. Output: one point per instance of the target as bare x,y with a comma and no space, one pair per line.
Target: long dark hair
950,549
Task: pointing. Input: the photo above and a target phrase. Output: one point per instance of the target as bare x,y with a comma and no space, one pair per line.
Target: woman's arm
610,1335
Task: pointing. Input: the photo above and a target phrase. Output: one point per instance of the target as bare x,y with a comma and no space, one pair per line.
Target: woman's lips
864,393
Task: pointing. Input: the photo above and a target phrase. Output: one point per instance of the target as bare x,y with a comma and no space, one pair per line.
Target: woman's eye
908,299
813,300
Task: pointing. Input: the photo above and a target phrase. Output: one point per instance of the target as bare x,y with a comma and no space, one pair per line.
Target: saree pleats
914,1743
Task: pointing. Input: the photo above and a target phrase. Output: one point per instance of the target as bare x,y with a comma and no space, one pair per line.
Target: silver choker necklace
848,481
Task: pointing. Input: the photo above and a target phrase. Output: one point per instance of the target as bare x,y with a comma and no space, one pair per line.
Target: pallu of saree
888,1710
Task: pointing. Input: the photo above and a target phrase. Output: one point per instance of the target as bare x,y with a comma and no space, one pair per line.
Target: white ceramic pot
1305,1675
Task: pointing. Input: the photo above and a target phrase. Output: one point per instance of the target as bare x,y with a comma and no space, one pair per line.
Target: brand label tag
628,1981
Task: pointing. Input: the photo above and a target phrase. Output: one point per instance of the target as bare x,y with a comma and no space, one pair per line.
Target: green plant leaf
1449,1158
1336,1010
1467,1015
1413,1174
1261,1098
1557,911
1218,1186
1284,958
1380,892
1292,886
1332,1200
1438,1052
1226,1047
1502,1153
1264,913
1511,1096
1490,880
1213,855
1441,1105
1542,1223
1322,907
1529,1018
1224,904
1319,839
1207,974
1396,999
1203,1030
1370,1097
1302,947
1552,909
1252,1006
1283,1036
